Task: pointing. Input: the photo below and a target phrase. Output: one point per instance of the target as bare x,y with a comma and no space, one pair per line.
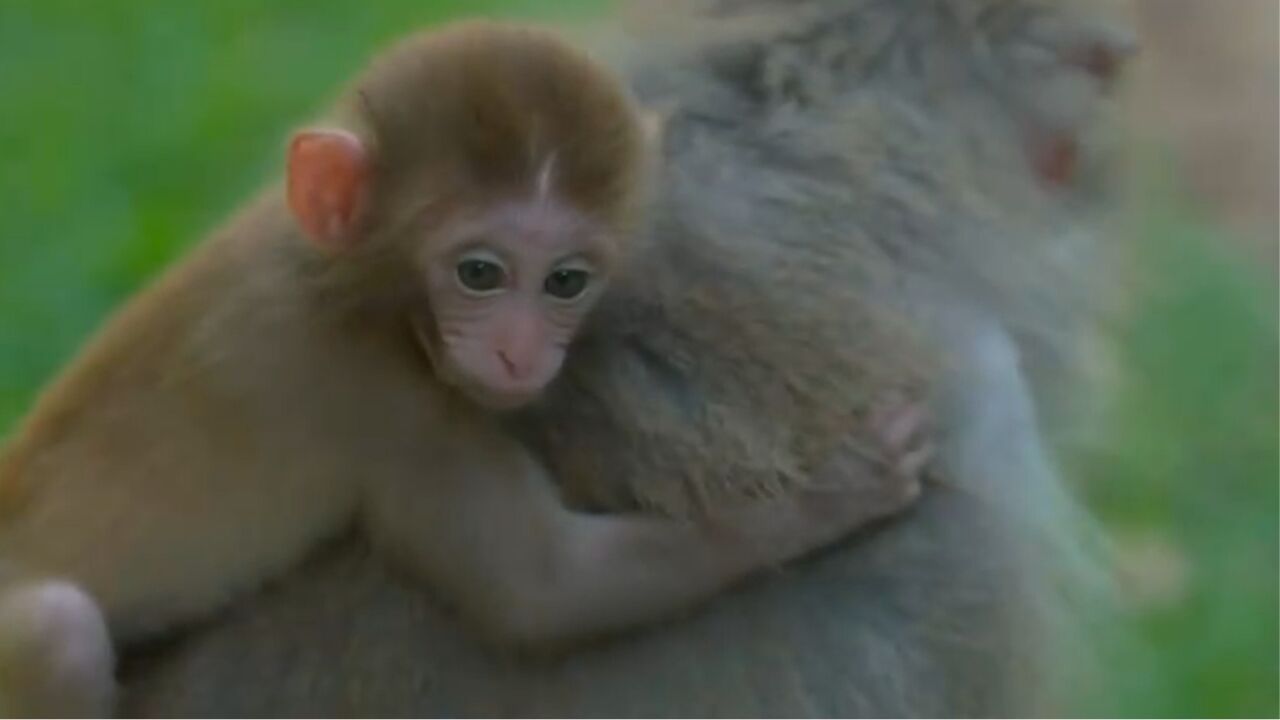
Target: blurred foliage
1188,483
130,127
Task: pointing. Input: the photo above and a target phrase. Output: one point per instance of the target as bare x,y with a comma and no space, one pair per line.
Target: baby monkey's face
507,287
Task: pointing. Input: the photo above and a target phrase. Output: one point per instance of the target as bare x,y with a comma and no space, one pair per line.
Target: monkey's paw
878,469
903,432
875,473
55,653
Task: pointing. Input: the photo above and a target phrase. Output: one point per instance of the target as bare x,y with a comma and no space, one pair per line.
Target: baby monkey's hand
875,473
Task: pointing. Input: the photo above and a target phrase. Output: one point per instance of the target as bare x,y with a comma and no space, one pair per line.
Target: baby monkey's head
489,172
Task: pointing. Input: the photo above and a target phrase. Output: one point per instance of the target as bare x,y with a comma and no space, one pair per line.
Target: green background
128,128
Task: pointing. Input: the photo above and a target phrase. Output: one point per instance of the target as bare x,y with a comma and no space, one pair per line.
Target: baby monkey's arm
488,529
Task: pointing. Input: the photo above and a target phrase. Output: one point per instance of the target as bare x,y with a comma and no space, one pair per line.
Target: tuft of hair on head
480,108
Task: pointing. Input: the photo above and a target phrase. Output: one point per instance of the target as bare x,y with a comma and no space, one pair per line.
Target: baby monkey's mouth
478,391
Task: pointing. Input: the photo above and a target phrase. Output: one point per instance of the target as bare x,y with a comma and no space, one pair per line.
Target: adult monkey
956,137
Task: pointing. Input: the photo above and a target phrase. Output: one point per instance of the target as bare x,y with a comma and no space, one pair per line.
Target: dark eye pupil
566,284
479,275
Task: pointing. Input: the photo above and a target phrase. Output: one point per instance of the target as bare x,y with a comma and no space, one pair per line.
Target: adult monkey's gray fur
880,145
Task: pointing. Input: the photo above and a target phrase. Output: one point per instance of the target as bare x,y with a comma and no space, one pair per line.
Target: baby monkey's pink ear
328,178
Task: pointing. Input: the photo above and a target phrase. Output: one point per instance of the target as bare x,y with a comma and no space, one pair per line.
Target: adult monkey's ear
328,186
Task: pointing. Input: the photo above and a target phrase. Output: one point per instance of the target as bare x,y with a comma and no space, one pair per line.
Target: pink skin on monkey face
507,291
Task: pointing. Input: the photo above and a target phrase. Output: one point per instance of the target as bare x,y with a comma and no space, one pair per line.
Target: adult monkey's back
945,138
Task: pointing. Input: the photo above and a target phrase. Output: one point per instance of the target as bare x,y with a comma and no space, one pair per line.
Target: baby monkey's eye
566,283
480,276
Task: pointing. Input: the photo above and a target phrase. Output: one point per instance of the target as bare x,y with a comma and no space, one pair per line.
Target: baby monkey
470,197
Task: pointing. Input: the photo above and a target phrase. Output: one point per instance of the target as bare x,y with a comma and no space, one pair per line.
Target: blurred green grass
1189,482
129,128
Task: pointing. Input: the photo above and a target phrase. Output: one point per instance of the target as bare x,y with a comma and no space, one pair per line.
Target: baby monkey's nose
517,370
